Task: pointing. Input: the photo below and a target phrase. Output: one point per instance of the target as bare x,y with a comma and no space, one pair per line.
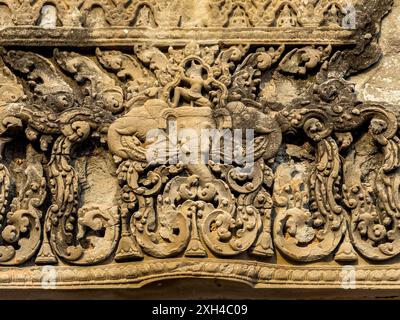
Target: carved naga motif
99,86
43,78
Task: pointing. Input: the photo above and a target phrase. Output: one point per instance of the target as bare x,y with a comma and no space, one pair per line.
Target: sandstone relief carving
98,165
224,13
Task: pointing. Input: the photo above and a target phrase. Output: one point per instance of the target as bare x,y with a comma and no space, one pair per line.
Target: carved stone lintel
150,140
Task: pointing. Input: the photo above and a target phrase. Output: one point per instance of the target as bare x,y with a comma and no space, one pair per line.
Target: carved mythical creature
127,135
264,125
191,197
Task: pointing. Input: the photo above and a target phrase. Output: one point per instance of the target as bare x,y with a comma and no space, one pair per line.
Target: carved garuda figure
205,145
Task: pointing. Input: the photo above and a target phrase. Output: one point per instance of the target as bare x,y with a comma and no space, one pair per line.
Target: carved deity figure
193,95
309,16
5,16
309,7
287,17
332,16
239,18
145,18
96,18
48,17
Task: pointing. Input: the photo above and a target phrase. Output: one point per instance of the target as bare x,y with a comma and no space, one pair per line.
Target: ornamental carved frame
83,81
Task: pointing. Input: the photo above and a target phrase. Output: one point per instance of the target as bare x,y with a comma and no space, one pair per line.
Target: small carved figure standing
5,16
48,17
145,18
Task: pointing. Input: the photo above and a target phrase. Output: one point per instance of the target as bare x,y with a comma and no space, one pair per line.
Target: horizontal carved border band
106,22
175,13
258,275
119,36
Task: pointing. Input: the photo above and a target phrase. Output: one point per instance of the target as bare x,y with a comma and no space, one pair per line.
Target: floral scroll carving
193,209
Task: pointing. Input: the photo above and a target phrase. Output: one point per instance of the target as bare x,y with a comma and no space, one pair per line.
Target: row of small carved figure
140,13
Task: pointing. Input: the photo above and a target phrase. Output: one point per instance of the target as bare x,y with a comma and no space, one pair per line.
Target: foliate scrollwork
309,221
48,87
21,231
229,232
367,190
83,235
202,161
11,90
99,86
301,61
140,84
247,77
371,191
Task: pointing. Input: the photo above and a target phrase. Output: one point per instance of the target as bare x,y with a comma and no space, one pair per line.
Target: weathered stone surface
381,83
102,184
